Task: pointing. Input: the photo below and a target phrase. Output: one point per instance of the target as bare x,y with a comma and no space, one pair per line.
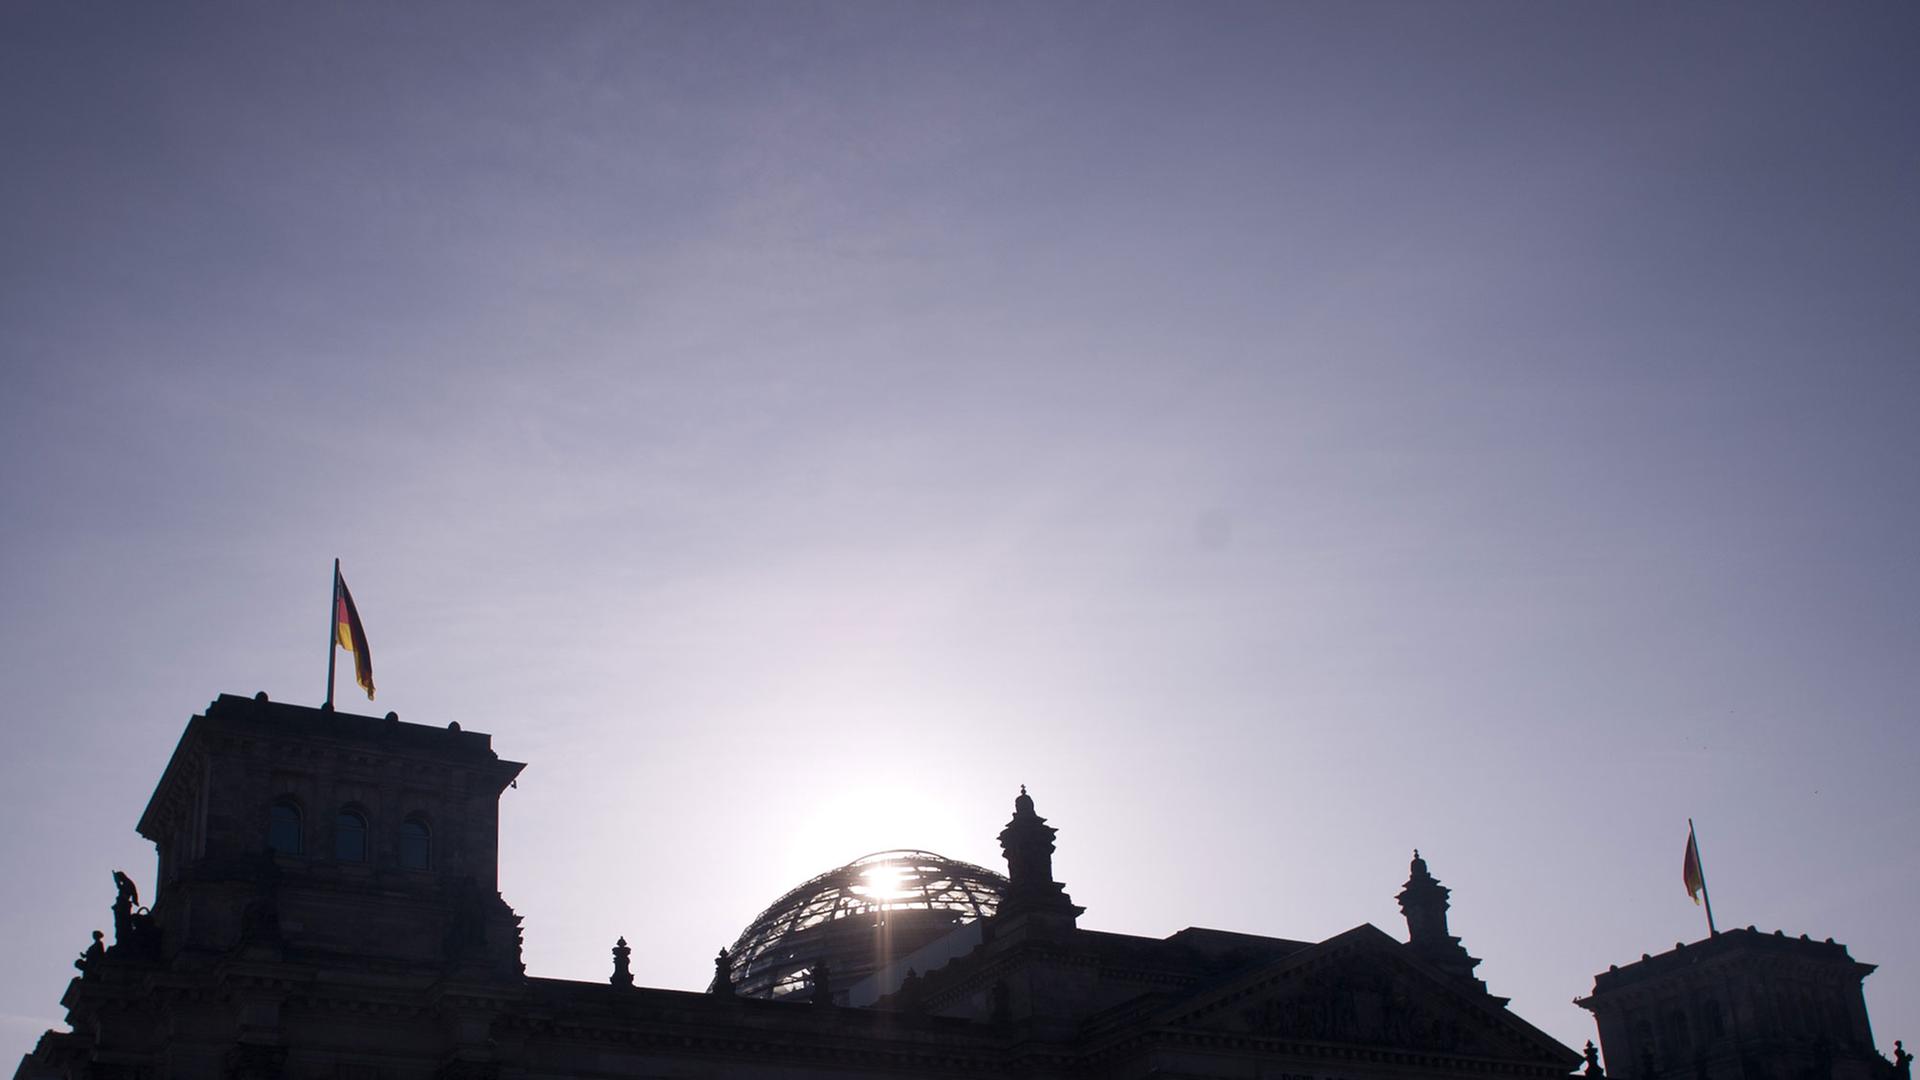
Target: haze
1282,436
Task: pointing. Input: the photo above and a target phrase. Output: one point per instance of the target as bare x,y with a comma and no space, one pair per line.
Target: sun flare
883,883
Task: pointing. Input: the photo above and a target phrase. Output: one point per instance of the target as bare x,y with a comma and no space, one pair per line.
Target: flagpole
1701,865
333,637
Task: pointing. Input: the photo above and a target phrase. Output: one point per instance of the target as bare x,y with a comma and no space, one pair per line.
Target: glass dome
858,917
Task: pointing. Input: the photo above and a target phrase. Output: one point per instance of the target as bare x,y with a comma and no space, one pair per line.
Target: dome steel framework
857,918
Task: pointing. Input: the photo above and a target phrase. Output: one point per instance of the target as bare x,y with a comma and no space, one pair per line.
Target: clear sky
1280,435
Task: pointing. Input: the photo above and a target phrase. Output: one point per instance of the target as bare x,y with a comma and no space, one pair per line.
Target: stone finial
722,974
1027,843
1902,1061
1423,900
1592,1055
622,973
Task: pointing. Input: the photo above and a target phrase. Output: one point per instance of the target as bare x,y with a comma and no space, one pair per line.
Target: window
416,844
1679,1034
283,828
350,837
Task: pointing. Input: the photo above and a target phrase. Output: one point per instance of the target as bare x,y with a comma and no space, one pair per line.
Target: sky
1280,435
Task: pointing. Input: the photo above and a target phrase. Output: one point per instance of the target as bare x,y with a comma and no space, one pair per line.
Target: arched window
283,828
1679,1034
416,844
350,837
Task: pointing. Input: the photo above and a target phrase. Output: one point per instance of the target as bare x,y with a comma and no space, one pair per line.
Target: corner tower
307,831
1739,1005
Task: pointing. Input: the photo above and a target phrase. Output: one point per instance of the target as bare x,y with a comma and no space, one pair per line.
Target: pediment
1363,988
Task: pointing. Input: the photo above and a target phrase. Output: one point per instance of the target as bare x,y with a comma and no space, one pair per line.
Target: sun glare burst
883,883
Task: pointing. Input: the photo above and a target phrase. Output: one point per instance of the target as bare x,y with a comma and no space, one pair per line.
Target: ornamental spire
1027,843
622,969
1424,902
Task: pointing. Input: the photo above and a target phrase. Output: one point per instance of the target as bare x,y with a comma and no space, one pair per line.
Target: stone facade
1741,1005
327,909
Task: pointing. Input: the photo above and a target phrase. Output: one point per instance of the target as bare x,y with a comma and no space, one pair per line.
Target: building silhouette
855,928
1740,1005
326,908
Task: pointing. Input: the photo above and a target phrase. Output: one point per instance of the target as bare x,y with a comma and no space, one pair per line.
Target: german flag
350,635
1690,875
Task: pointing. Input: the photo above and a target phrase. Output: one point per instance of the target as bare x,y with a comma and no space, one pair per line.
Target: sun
883,883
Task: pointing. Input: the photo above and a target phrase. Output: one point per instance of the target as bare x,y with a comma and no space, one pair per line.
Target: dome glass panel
858,917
